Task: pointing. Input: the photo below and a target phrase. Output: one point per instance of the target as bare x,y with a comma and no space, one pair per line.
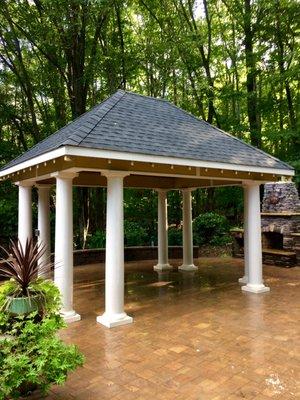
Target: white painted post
188,262
44,224
114,314
253,225
244,279
25,212
63,270
163,262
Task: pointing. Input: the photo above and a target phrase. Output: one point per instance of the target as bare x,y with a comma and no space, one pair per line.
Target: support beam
114,314
253,226
44,224
188,262
244,279
25,212
63,271
163,262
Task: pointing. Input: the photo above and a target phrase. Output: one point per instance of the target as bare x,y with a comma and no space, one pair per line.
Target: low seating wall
90,256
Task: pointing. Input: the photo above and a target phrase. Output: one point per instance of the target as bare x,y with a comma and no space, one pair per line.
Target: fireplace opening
272,240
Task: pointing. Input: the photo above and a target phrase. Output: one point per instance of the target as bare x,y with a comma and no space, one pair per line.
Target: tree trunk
252,106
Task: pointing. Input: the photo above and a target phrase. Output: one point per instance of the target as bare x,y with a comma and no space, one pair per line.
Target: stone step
280,258
280,252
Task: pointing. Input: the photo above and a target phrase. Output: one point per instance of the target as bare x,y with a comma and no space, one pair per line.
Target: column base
162,267
255,288
190,267
243,280
70,316
110,321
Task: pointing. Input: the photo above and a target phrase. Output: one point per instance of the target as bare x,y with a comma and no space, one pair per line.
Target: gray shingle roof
138,124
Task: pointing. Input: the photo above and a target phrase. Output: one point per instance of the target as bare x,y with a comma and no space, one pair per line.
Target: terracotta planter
24,305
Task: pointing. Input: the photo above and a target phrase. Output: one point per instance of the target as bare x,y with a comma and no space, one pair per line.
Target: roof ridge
145,96
103,116
125,117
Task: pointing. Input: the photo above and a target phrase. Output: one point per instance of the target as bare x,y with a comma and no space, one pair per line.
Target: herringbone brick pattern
195,336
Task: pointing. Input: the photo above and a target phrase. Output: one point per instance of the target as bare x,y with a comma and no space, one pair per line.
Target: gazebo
136,141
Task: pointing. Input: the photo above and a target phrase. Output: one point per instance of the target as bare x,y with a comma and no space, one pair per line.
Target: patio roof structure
136,141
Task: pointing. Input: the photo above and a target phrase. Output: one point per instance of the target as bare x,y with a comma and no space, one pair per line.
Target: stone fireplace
280,224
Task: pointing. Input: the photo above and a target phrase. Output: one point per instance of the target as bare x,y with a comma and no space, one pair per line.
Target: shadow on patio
195,335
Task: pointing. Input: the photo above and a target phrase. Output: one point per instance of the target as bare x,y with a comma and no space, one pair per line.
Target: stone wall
280,196
90,256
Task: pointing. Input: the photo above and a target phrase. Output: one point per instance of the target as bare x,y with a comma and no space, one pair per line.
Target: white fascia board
119,155
34,161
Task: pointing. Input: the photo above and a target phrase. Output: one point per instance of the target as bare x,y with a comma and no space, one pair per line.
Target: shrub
134,234
32,356
211,228
97,240
175,236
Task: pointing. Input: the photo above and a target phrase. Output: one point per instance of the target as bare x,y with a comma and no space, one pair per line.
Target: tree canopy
234,63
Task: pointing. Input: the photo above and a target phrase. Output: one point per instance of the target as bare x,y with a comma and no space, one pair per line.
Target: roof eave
159,159
51,155
139,157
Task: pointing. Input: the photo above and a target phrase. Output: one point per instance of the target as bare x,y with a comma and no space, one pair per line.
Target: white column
63,271
188,262
25,212
44,224
253,226
163,262
244,279
114,314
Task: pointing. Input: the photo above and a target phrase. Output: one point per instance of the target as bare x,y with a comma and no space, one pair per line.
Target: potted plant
22,267
32,356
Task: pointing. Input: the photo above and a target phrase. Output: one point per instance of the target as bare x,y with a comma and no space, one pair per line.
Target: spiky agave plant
22,265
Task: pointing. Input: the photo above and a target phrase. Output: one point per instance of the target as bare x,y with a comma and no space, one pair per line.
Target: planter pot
24,305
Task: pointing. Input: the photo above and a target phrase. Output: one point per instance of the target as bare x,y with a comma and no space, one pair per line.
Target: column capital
64,174
45,186
187,189
160,190
109,173
251,183
27,183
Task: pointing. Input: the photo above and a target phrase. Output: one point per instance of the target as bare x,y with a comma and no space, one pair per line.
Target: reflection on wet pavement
195,335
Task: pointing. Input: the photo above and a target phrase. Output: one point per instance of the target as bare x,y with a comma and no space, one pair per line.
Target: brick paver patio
194,336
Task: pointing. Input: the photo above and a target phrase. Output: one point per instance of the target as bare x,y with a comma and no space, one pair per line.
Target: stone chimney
280,197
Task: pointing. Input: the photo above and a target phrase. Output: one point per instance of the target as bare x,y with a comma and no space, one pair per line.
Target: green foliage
8,211
50,294
211,228
250,91
134,234
97,240
31,353
175,236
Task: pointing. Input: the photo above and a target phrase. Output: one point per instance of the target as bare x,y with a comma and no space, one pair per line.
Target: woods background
234,63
